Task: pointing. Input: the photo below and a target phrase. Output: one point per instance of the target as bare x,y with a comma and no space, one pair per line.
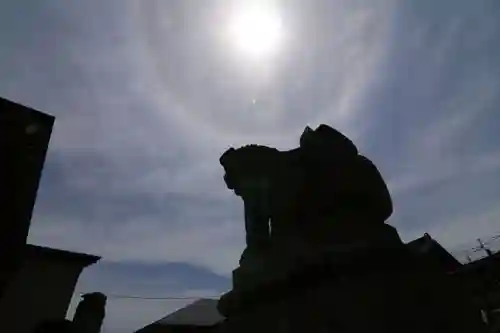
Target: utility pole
484,248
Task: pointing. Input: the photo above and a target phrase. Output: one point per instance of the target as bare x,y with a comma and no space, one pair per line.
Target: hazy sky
148,94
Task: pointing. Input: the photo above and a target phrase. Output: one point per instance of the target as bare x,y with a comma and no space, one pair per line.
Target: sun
256,30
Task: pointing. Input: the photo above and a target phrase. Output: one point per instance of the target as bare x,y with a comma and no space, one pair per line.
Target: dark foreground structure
36,283
478,279
24,138
481,279
320,256
42,287
198,317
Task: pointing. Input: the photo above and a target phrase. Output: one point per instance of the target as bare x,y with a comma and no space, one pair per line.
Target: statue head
249,169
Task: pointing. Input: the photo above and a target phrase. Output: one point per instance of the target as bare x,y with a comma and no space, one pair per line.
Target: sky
148,94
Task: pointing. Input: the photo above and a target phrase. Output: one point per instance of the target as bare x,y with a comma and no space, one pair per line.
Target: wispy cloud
146,97
215,245
156,133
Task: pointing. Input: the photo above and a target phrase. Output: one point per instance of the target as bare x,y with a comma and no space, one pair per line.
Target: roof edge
83,258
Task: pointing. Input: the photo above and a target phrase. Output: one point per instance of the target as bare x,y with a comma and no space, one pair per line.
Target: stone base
283,259
387,292
251,286
274,268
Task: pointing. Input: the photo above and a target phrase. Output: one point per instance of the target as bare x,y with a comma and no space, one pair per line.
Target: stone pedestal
334,246
380,291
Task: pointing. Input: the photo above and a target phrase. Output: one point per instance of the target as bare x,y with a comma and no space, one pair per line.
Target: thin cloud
145,103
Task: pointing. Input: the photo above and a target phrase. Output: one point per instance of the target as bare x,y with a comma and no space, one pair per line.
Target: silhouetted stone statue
90,313
297,200
24,138
319,255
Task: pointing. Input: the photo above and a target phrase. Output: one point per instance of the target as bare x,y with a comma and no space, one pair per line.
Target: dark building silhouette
36,283
200,316
436,255
481,279
24,138
41,289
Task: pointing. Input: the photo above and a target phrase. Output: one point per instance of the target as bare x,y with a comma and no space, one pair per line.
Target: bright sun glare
256,30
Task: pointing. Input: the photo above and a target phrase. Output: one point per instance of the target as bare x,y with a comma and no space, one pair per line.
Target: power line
116,296
487,246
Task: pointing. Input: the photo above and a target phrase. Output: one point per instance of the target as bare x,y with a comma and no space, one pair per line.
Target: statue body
321,194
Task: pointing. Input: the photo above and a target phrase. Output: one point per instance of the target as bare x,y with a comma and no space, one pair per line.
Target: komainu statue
320,255
307,198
